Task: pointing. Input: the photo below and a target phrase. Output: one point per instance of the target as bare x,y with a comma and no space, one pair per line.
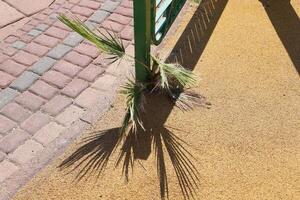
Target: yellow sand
247,146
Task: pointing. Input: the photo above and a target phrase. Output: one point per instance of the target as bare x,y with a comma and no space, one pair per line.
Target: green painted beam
142,37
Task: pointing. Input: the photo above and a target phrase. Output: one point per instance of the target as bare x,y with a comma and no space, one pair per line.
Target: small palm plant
169,79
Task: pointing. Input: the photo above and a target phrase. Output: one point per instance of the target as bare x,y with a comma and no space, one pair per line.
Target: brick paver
51,79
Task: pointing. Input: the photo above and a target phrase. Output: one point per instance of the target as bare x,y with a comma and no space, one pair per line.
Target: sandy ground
247,145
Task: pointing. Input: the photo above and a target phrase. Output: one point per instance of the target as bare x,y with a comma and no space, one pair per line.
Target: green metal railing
152,20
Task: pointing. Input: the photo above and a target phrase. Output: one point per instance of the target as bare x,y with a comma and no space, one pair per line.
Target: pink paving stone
88,98
67,68
74,88
26,38
74,1
34,22
71,114
14,139
43,89
124,11
57,32
91,72
78,59
10,51
25,58
30,101
49,133
40,16
56,78
91,4
120,18
127,4
47,40
5,79
82,11
61,25
103,60
7,169
56,105
88,50
6,124
114,26
24,153
15,112
36,49
106,82
35,122
3,58
11,39
27,27
127,33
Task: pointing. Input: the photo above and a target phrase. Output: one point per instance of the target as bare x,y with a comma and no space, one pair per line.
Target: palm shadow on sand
93,156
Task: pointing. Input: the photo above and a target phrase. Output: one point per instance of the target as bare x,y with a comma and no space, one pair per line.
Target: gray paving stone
73,39
59,51
91,25
53,16
42,27
24,81
13,140
7,95
99,16
34,32
43,65
19,44
110,6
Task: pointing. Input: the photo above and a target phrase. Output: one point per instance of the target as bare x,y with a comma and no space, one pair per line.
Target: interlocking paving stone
78,59
105,82
71,114
88,98
5,79
59,51
47,40
43,89
87,49
15,112
48,133
2,156
13,140
12,67
57,32
56,78
73,39
74,88
91,4
43,65
19,44
30,101
42,27
25,58
24,81
99,16
67,68
26,152
110,5
35,122
6,124
34,32
36,49
6,96
56,105
7,169
91,72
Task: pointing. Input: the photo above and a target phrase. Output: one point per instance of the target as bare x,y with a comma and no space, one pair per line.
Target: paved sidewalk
53,84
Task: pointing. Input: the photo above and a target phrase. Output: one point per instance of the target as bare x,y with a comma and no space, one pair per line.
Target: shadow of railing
195,37
287,25
92,157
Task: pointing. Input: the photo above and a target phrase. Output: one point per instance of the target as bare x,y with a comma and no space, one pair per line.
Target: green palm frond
108,43
172,75
134,104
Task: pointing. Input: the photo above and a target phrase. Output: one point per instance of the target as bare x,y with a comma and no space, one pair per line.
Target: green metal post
142,37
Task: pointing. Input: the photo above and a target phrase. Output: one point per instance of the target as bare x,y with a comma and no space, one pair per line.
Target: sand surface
247,145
